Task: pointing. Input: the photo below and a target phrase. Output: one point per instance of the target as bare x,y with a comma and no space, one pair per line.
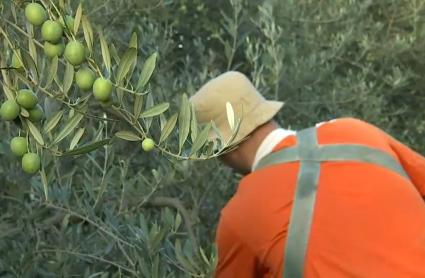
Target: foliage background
325,59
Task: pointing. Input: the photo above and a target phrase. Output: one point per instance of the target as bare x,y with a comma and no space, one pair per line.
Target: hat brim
259,116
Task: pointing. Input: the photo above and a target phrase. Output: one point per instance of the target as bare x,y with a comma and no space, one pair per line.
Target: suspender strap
303,207
310,154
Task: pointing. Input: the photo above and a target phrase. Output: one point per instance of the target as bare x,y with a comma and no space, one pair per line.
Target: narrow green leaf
30,65
155,110
138,105
88,32
133,41
149,104
32,49
87,148
168,128
78,16
53,69
53,122
76,138
127,135
68,78
128,59
162,121
24,112
147,71
201,139
184,121
114,54
193,125
230,115
45,183
69,127
35,133
105,52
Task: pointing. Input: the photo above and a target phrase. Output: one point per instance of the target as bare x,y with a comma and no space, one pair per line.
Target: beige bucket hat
248,105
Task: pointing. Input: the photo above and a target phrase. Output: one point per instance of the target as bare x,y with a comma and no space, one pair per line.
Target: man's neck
249,148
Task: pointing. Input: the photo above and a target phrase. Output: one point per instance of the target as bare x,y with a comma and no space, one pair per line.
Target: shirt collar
268,144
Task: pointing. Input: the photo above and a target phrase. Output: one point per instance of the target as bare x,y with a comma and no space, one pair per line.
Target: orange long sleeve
235,257
413,163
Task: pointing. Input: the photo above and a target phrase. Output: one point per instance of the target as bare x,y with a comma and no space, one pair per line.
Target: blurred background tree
325,59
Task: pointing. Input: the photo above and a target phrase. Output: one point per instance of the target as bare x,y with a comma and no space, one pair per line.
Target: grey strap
310,155
303,207
337,152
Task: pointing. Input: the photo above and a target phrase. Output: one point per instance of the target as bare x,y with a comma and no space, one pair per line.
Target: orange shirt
368,221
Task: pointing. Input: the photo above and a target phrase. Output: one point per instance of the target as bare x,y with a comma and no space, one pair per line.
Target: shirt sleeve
412,162
235,258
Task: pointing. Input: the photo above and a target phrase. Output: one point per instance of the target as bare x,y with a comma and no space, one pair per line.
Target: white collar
274,138
271,140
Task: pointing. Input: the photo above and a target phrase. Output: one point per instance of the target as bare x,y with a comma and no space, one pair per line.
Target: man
341,199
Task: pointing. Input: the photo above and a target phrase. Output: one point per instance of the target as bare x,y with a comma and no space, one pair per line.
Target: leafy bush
120,211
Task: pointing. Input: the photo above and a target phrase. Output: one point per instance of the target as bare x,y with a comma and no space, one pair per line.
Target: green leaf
87,148
127,135
69,127
128,59
184,121
105,52
68,78
114,54
24,112
53,122
77,20
35,133
53,69
133,41
193,125
88,33
149,104
30,65
45,183
138,105
230,115
201,139
168,128
76,138
147,71
32,49
155,110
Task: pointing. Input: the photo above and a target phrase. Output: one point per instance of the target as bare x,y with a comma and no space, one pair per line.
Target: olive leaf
53,69
88,32
35,132
77,20
168,127
44,182
149,104
147,71
133,41
87,148
137,106
68,78
129,58
184,121
155,110
230,115
69,127
53,122
193,125
32,49
30,65
76,138
127,135
105,52
201,139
